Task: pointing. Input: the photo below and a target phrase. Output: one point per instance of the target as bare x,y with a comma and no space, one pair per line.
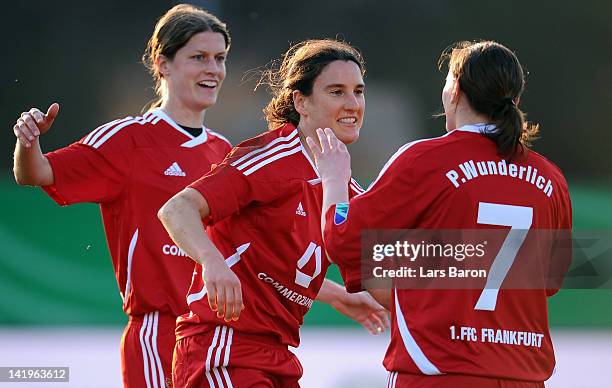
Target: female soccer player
487,337
263,259
131,166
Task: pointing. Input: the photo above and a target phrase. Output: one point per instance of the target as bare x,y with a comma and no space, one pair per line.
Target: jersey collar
194,141
310,161
481,128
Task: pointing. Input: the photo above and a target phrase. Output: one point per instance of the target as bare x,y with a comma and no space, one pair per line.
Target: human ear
162,63
300,102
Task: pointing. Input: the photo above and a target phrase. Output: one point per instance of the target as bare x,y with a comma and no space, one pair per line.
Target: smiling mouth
208,84
348,120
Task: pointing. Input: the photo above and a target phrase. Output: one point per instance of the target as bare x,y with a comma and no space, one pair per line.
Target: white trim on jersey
413,349
103,128
222,341
230,261
478,128
266,147
201,139
396,155
391,379
220,136
312,164
153,371
117,128
271,159
96,133
128,284
195,140
273,150
356,186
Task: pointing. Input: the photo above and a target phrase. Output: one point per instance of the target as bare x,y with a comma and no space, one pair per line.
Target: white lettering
452,176
468,169
512,169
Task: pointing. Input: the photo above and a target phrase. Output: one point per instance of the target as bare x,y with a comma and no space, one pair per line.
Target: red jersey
131,167
265,218
458,181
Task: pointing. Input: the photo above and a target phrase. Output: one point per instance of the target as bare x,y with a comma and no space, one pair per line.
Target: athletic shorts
146,351
222,357
407,380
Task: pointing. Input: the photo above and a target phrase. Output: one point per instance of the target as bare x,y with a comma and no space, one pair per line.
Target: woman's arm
30,166
359,307
182,217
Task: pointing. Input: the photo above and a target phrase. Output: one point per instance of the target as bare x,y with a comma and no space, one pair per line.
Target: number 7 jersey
457,181
265,218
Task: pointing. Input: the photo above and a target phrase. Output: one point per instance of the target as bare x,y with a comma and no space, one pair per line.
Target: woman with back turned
488,337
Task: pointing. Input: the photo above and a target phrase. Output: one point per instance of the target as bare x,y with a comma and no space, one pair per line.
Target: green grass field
55,268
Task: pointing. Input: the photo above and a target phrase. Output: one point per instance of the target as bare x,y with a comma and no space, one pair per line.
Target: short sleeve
82,174
228,190
563,243
88,171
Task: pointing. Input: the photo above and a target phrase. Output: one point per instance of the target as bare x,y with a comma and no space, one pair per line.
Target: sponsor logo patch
341,213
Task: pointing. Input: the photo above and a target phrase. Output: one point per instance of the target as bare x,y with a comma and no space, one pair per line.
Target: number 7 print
519,219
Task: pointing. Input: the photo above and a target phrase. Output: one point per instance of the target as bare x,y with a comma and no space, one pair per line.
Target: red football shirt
458,181
131,167
265,218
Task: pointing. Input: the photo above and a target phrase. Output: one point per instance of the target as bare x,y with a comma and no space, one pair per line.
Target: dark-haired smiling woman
428,184
262,263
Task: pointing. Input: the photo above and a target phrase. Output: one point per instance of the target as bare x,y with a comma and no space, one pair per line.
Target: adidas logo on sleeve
174,170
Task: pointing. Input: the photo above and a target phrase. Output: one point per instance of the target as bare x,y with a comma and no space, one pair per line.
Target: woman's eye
221,58
359,92
198,57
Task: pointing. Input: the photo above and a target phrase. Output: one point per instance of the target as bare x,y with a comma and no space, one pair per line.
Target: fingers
23,131
23,139
52,112
239,302
233,303
26,128
221,301
326,138
380,321
211,293
225,299
316,150
28,119
384,317
332,140
230,305
370,326
38,116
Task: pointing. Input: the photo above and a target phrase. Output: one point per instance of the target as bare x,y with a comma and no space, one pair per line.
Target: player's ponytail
172,31
492,79
298,70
